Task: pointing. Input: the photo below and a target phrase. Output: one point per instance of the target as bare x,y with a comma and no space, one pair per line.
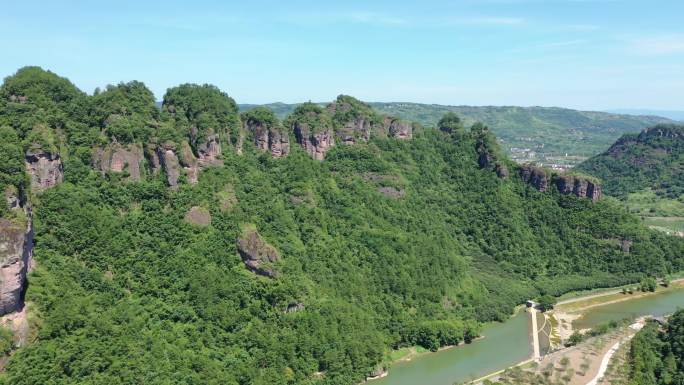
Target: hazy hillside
542,134
670,114
652,159
646,170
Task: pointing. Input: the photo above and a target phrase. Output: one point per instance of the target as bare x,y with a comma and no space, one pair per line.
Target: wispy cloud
374,18
580,27
658,45
487,20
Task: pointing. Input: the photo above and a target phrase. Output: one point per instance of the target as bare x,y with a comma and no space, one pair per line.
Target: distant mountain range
551,136
670,114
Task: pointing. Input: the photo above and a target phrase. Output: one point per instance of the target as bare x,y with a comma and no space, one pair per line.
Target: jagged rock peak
44,168
354,120
537,177
267,131
256,253
204,115
313,129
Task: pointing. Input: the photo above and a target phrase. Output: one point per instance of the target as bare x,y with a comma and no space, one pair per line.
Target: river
508,343
656,305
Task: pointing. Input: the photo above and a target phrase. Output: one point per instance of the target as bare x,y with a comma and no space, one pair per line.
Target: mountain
193,244
551,136
670,114
652,159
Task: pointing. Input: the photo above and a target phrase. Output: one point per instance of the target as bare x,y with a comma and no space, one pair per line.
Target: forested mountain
657,353
541,134
195,245
652,159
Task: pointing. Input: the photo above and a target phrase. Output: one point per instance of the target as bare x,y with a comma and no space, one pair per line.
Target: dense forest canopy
657,353
385,243
652,159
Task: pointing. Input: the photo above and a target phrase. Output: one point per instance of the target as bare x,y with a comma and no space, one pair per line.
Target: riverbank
568,311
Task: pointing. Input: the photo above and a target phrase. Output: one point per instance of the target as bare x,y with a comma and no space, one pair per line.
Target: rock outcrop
169,162
535,176
256,253
315,143
189,162
353,119
117,158
16,247
44,168
199,216
398,128
173,164
267,138
209,152
578,186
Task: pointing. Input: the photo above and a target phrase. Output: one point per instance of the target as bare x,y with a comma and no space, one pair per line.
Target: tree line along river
508,343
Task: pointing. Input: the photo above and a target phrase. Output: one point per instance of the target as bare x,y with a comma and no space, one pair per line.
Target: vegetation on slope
652,159
128,291
657,355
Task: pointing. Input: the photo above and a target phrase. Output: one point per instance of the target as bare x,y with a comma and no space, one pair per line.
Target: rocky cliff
354,120
398,128
267,132
44,168
535,176
582,187
16,246
579,186
313,129
119,158
256,253
209,151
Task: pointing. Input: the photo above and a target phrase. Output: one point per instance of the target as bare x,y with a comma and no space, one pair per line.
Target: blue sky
589,54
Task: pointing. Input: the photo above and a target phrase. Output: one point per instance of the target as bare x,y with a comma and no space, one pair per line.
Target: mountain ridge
551,136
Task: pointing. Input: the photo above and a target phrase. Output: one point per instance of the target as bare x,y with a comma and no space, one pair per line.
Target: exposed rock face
580,187
501,170
398,128
16,247
210,151
294,307
257,255
199,216
117,158
314,143
44,168
535,176
359,128
271,139
190,163
169,161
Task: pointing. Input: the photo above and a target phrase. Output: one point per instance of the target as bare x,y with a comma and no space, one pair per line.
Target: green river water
506,344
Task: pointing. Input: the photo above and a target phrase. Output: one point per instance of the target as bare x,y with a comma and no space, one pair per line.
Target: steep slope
305,267
652,159
541,134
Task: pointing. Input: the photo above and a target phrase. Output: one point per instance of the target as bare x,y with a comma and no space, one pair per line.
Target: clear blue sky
590,54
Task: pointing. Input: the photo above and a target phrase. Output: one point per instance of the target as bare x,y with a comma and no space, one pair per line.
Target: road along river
509,343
